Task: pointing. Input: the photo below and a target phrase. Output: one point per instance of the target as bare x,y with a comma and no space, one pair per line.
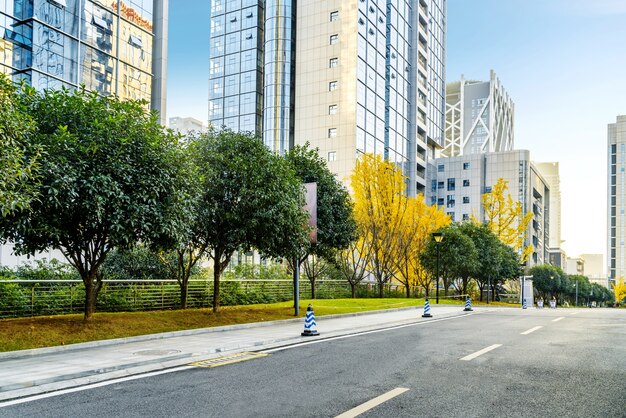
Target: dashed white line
558,319
531,330
372,403
480,352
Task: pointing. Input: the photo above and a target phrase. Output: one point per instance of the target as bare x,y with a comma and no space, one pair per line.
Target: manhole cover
156,352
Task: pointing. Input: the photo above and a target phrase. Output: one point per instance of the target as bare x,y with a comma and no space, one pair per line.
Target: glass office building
108,46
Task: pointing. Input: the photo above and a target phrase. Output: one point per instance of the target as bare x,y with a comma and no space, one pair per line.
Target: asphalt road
569,367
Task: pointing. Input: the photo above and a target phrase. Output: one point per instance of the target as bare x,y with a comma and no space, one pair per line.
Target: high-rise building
113,47
458,183
479,117
616,204
550,172
348,79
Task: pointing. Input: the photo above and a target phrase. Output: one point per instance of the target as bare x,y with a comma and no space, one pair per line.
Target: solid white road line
481,352
531,330
558,319
372,403
91,386
357,334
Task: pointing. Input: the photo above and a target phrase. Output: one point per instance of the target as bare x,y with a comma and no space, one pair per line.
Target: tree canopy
19,154
107,181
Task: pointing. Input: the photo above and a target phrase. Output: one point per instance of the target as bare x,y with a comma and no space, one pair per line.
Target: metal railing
22,298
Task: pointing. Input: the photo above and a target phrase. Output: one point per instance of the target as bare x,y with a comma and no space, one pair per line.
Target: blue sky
563,62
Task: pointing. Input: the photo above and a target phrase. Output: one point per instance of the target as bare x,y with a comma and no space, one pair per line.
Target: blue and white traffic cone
310,327
427,310
524,305
468,304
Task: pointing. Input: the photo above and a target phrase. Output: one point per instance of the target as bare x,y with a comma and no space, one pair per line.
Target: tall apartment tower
348,78
479,117
113,47
616,204
550,172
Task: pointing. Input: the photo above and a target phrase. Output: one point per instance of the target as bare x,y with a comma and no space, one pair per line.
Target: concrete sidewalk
30,372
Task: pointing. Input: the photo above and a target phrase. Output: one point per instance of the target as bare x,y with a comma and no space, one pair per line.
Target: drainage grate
233,358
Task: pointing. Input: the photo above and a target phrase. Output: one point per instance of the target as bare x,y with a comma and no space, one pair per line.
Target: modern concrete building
113,47
186,125
550,172
348,78
575,266
458,184
616,199
479,117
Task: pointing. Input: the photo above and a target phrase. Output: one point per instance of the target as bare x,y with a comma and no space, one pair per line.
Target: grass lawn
47,331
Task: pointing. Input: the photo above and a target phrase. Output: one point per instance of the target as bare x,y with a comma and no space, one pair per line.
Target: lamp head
438,237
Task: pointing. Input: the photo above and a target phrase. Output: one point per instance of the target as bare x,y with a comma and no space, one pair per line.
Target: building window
440,201
466,166
334,16
466,183
334,39
440,185
433,186
440,168
333,62
451,215
332,132
332,109
466,199
488,189
361,21
433,200
332,86
332,155
450,201
451,184
466,217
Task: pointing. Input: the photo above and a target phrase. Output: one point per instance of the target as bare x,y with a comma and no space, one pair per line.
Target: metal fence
20,298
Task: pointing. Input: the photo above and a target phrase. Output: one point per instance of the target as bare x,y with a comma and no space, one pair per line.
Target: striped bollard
427,310
468,305
310,327
524,305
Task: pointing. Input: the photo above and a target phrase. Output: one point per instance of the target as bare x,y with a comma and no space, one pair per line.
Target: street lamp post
523,281
576,293
438,237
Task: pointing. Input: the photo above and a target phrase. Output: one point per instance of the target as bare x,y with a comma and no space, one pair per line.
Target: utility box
526,283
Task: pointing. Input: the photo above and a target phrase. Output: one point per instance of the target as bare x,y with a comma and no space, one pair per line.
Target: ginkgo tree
380,206
620,290
506,218
420,222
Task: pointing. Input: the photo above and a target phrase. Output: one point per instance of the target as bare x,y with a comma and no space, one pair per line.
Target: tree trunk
92,288
464,286
353,290
408,291
216,284
312,288
184,287
381,289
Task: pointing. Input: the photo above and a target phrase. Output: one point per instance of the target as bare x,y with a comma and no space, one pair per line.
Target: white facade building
186,125
616,202
458,184
479,117
550,172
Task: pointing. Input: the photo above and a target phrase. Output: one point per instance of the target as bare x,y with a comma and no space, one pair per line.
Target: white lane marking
356,334
481,352
91,386
558,319
531,330
372,403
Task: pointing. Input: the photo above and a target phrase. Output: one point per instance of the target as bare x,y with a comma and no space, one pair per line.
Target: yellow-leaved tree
506,218
420,221
620,290
379,210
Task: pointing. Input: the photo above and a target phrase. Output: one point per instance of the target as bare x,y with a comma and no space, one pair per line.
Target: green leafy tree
19,154
458,257
336,227
251,198
107,171
549,281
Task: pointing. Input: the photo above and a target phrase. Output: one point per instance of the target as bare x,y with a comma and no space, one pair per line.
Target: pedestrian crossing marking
230,359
